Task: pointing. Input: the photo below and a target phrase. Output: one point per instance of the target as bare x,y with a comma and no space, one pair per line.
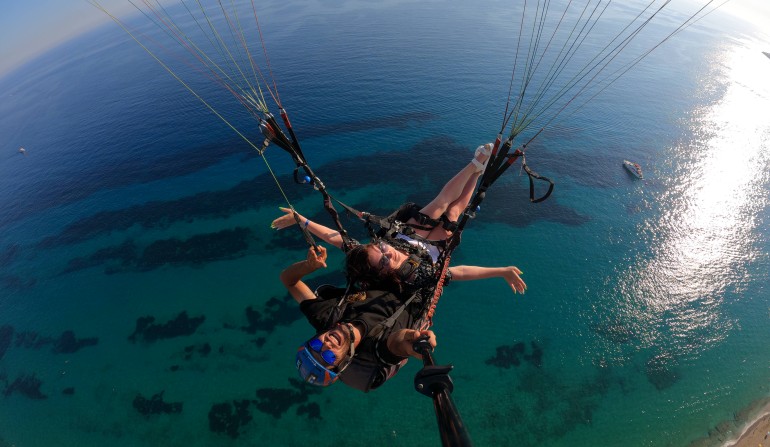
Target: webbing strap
423,220
534,175
388,323
388,228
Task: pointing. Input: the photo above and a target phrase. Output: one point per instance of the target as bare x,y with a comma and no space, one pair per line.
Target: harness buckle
265,143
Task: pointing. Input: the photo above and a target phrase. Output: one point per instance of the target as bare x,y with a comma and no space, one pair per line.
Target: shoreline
754,434
750,427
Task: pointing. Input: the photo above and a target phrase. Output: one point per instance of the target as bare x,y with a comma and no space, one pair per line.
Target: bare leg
455,209
454,195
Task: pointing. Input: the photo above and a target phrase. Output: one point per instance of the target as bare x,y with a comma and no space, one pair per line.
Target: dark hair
362,274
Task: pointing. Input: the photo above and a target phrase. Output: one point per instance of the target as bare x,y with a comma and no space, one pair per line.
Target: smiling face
336,340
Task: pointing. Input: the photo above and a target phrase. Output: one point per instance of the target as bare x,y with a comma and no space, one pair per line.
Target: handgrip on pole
432,378
434,381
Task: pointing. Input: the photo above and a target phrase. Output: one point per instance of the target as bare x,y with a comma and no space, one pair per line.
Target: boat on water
633,168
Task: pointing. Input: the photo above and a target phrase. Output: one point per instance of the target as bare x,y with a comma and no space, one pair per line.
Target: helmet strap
352,351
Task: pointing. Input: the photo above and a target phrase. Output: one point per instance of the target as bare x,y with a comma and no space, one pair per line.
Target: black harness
367,370
389,227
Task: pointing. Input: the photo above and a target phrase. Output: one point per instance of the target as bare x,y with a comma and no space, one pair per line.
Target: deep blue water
645,321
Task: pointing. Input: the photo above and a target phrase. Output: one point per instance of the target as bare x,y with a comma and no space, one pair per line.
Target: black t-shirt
369,313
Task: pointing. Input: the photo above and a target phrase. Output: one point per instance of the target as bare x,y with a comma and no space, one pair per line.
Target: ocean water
646,318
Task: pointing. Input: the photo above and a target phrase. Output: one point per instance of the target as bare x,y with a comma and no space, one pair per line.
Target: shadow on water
402,175
542,405
507,204
158,164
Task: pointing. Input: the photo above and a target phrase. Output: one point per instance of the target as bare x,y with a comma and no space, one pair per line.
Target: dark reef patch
6,337
27,385
197,250
156,405
288,239
615,332
116,257
194,251
507,356
9,254
276,312
229,418
147,331
661,372
507,202
203,350
312,410
69,391
31,340
16,283
67,343
282,311
161,214
553,405
161,165
276,401
126,171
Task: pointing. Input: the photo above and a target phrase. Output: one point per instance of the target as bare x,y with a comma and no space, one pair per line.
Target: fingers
317,252
517,284
317,258
412,335
431,337
322,255
415,335
284,221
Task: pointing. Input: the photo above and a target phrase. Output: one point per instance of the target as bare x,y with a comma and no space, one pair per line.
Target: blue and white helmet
311,369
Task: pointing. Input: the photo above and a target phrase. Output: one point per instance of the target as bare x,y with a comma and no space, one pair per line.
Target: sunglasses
384,260
329,357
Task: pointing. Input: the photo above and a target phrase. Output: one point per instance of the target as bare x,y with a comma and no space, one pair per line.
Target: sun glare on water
704,235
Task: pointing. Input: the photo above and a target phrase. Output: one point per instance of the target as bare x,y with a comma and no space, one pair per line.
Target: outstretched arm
326,234
471,272
292,276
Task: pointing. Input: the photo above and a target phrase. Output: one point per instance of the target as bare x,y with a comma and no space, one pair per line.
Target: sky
28,28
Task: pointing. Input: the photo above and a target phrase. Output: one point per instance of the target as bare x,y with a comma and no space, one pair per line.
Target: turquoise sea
139,295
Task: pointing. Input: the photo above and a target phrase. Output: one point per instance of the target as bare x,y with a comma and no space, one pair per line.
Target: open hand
513,279
286,220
